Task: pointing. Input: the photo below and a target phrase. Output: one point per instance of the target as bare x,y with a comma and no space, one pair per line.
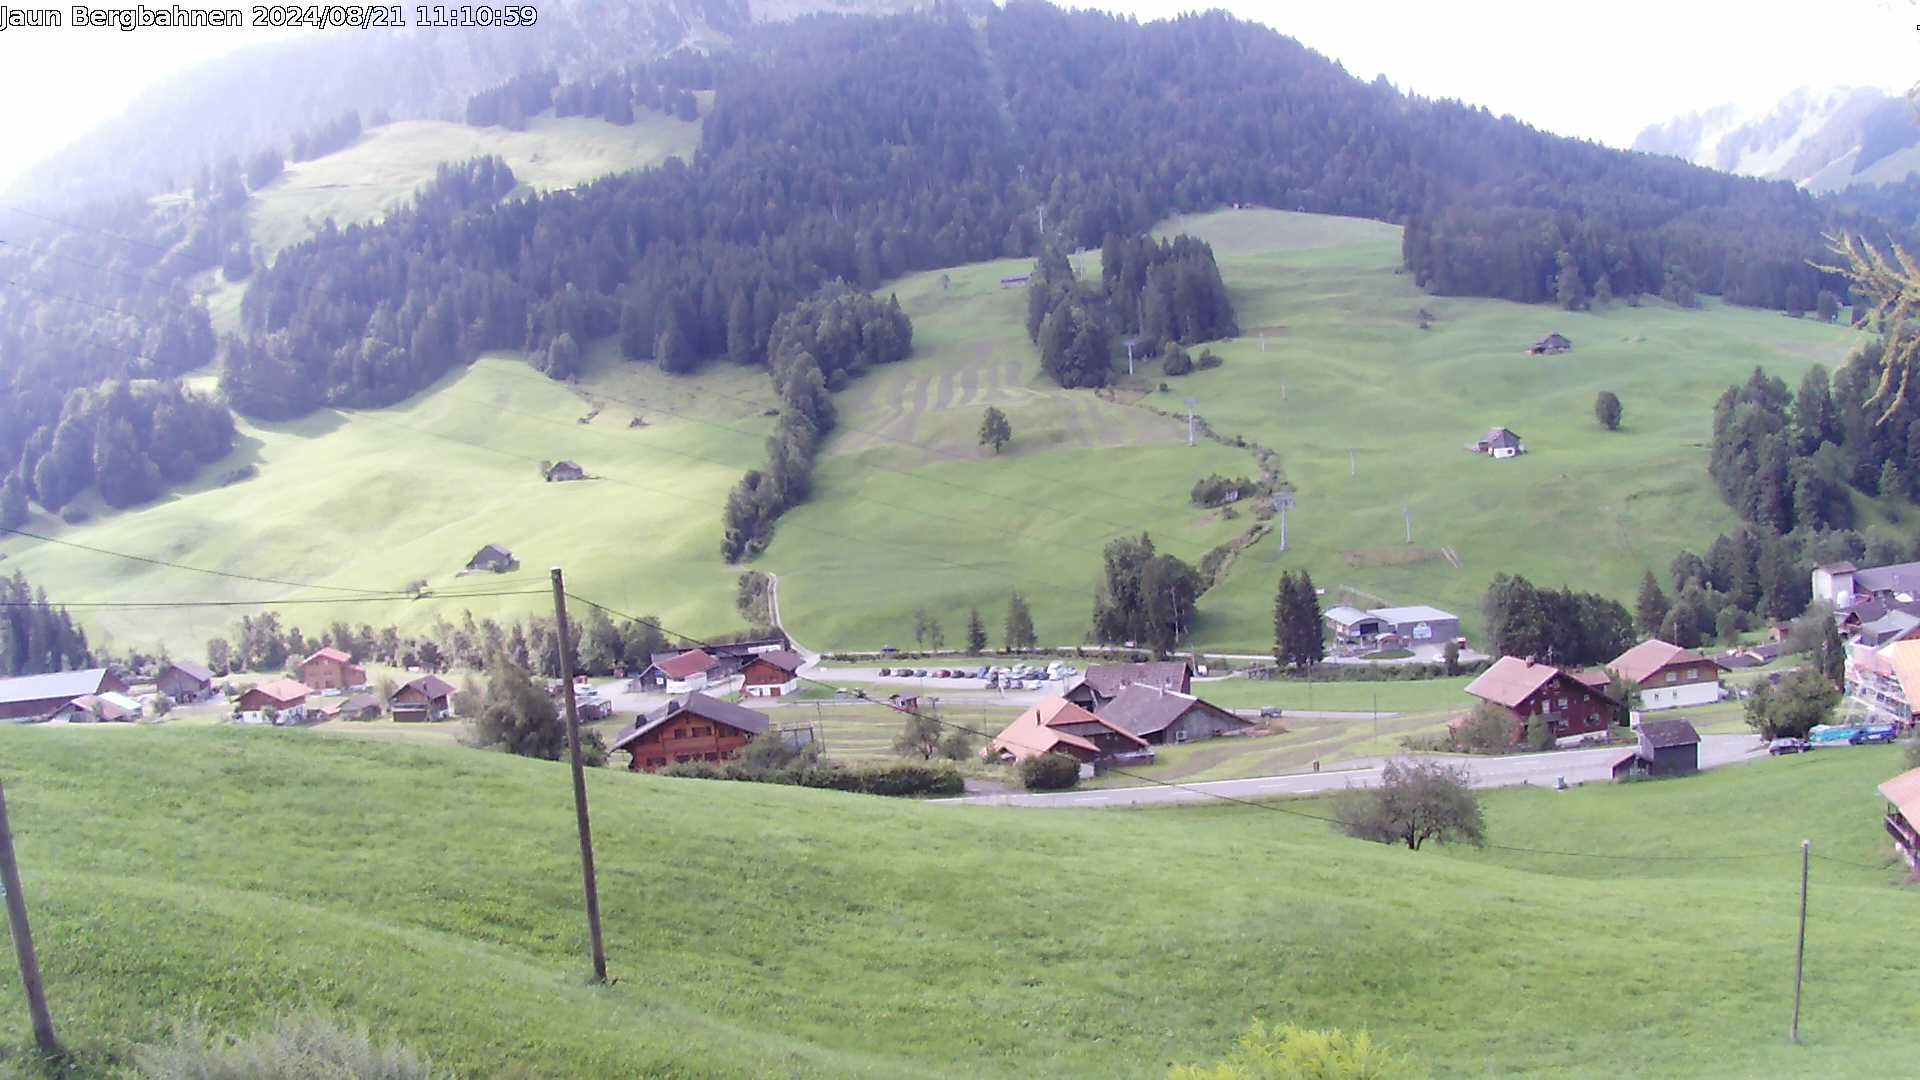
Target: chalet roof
1107,680
1344,614
107,706
1665,734
494,550
1512,680
329,653
1598,679
1903,791
785,659
1898,577
1039,730
362,702
284,691
1412,613
1904,658
1499,434
431,687
1641,662
1888,627
681,665
700,705
188,667
1144,710
1841,567
53,684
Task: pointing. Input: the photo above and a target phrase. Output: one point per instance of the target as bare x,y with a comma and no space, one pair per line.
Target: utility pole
1129,356
1283,502
1353,462
43,1034
1406,512
1191,402
1800,953
591,888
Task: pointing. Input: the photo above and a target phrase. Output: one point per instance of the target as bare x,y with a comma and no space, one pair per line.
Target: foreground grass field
381,171
432,895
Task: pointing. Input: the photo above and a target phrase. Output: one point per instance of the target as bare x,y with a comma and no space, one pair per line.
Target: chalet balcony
1904,835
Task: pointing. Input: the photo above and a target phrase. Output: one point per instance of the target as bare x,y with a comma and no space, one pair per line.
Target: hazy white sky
1602,71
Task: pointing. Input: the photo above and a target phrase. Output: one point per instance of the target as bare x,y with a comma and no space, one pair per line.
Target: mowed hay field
381,172
432,894
1344,369
904,472
376,499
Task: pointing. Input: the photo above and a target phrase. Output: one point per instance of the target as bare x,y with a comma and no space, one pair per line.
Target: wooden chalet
1903,816
1499,442
34,697
771,674
1103,682
680,673
184,680
1526,688
1668,676
1057,725
428,697
492,558
1168,716
331,669
691,727
285,698
1666,748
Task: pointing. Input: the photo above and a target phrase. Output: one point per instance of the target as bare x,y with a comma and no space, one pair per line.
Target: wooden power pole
1800,952
43,1034
592,889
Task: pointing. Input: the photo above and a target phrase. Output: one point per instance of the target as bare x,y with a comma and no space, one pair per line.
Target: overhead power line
171,565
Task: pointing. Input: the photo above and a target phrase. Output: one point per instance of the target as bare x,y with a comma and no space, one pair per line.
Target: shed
493,557
1500,442
1669,748
1552,343
561,471
183,680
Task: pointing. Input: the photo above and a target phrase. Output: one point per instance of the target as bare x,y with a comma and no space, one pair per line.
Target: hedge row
902,778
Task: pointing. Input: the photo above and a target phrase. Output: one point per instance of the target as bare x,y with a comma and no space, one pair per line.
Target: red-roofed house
1057,725
680,673
771,674
286,698
332,669
428,697
1527,688
1668,676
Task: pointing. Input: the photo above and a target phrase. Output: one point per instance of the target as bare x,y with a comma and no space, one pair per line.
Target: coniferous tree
1019,633
1650,609
976,633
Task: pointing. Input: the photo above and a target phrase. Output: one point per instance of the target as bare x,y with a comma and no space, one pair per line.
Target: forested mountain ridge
263,96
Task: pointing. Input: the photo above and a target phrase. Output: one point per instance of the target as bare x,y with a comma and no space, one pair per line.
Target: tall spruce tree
1019,628
976,633
1650,609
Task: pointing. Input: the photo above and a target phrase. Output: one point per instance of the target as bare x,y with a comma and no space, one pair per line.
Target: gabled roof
1039,730
329,653
1499,434
493,550
285,691
681,665
188,667
1639,663
107,706
700,705
1144,710
1903,791
1512,680
53,684
1107,680
1664,734
1889,626
430,686
1898,577
784,659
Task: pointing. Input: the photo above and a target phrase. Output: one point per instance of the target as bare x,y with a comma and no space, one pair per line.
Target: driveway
1574,766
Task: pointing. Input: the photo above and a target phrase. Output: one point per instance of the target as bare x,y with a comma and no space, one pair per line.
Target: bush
74,515
1488,729
1177,362
897,779
1049,772
1265,1053
1207,360
295,1048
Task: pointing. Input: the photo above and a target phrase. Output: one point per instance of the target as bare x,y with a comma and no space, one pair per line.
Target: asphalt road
1575,766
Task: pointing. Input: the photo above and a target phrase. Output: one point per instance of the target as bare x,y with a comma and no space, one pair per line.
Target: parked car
1270,712
888,649
1788,746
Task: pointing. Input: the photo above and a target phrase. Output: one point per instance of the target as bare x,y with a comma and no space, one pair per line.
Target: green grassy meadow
375,499
381,172
432,894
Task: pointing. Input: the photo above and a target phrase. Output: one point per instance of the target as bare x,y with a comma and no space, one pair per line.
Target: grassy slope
383,170
432,893
376,499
